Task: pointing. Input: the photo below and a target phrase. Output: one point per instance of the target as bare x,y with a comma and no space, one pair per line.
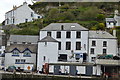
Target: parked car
11,68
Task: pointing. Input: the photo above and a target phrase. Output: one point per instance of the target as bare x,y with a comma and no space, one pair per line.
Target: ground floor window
62,57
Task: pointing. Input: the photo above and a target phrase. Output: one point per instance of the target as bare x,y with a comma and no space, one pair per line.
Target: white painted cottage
21,50
20,14
115,21
101,43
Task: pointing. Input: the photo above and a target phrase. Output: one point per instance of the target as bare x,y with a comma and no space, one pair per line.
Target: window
58,34
44,58
68,45
93,58
26,20
14,42
78,45
7,21
62,57
48,33
92,50
78,34
23,42
27,53
77,56
38,16
114,23
19,61
13,20
93,43
15,52
68,34
104,43
104,51
59,46
31,14
22,60
29,43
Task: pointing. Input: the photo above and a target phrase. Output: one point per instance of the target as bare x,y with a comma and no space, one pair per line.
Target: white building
101,43
2,47
20,14
112,22
20,54
72,42
47,51
20,50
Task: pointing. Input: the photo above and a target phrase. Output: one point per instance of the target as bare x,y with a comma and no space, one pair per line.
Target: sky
6,5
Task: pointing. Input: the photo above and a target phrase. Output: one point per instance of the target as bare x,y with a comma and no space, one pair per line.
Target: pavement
49,75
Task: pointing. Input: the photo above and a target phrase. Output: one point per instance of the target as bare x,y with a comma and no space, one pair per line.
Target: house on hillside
21,50
20,14
115,21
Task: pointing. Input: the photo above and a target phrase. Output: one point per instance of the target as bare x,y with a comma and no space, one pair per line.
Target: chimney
114,33
24,3
14,6
62,27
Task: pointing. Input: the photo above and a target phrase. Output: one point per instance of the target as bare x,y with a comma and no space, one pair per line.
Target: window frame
59,45
105,51
68,34
92,52
68,45
78,45
78,34
49,33
104,43
93,43
58,35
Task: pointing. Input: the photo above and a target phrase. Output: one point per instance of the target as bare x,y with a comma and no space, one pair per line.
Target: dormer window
31,14
15,53
27,53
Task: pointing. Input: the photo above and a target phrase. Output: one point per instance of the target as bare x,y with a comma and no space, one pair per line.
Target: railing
107,62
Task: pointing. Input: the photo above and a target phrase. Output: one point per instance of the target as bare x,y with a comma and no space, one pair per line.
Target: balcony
108,62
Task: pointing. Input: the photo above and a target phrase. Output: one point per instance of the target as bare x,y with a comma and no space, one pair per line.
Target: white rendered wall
10,60
81,69
111,25
73,40
50,51
20,14
111,47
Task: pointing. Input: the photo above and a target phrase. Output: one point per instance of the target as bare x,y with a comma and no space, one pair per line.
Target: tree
100,26
89,14
100,17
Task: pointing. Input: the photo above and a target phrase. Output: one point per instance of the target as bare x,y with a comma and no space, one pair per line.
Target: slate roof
22,47
48,39
100,35
23,38
16,7
66,27
110,20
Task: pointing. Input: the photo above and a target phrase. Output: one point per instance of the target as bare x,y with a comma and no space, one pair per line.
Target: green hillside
90,15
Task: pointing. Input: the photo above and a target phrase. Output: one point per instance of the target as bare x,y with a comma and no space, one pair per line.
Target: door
89,70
